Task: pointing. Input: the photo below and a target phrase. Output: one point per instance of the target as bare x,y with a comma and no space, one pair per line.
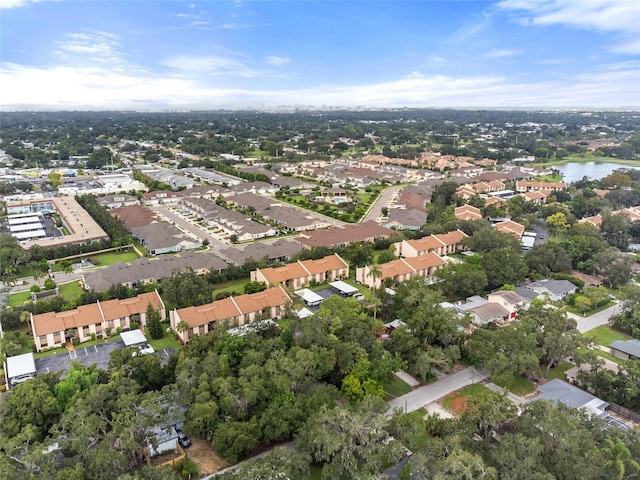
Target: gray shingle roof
630,347
558,391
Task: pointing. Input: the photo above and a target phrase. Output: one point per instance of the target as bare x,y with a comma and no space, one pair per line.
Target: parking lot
325,293
95,355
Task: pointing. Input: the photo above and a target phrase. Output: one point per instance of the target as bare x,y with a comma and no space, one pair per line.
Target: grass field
516,384
396,387
605,335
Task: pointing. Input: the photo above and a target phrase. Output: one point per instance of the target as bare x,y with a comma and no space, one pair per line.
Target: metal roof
21,365
133,337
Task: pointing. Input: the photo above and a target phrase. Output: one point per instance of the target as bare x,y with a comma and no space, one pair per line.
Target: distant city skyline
175,55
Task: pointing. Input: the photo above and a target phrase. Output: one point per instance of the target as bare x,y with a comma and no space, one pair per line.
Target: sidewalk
511,396
406,378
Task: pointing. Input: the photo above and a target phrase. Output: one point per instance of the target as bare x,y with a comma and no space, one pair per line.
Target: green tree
350,441
154,327
618,456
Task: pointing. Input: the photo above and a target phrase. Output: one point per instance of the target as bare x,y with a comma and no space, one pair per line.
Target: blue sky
156,55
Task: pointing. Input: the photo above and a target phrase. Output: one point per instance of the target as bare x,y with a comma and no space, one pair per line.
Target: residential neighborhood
189,310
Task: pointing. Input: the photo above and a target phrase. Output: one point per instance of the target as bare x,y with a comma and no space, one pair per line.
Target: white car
143,350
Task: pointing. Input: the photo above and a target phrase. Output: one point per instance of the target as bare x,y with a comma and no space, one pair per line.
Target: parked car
358,296
183,440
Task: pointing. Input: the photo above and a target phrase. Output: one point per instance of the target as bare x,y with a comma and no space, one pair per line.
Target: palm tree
182,326
619,457
375,273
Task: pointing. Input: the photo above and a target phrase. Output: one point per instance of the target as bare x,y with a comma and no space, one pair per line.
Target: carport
20,368
133,338
344,288
310,298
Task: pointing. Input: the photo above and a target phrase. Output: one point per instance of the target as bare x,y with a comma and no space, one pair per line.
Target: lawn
516,384
17,299
70,291
235,286
605,335
50,353
396,387
608,356
167,341
105,259
558,370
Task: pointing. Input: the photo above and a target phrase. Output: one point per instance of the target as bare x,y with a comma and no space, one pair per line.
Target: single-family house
555,290
402,219
510,300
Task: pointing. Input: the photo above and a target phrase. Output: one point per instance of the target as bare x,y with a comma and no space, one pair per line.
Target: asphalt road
426,394
214,241
376,210
589,323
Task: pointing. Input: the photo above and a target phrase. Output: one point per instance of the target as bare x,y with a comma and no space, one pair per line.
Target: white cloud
215,65
69,87
276,60
502,53
97,46
605,15
13,3
631,47
469,29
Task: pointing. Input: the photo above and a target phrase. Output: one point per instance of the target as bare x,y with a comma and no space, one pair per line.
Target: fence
624,412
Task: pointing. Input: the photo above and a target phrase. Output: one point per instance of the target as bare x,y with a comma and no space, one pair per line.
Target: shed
309,297
133,338
20,368
343,287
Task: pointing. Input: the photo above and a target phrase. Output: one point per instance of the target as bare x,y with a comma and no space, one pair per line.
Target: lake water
573,171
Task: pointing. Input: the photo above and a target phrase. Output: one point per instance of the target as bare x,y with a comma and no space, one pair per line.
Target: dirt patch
206,458
165,457
459,404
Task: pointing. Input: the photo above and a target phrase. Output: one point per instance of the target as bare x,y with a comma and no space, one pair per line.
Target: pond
574,171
